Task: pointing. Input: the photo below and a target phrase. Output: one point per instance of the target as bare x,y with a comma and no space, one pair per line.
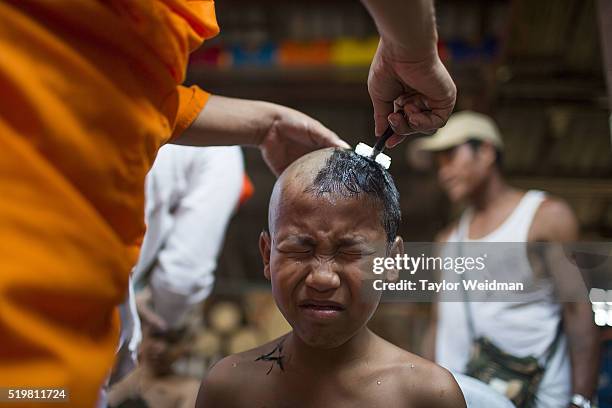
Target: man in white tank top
467,152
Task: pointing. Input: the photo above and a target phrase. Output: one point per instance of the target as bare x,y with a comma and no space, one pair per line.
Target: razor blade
375,153
364,150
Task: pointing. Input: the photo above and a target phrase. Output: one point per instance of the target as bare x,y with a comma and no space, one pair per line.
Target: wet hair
347,174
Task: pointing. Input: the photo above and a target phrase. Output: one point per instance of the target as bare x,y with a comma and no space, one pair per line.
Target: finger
400,125
382,109
383,87
427,121
324,137
420,116
335,141
344,145
411,103
394,141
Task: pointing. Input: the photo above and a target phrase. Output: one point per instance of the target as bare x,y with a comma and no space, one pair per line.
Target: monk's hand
283,134
290,135
422,89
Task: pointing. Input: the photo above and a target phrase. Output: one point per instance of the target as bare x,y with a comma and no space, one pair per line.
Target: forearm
583,341
407,28
230,121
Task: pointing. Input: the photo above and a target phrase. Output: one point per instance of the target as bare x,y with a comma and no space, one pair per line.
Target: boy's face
319,261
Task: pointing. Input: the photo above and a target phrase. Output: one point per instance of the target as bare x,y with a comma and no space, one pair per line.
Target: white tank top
522,329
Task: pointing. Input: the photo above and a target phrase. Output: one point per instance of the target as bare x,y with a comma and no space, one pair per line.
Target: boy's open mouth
321,305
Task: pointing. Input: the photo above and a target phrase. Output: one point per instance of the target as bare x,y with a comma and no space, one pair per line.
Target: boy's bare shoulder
424,382
232,375
434,385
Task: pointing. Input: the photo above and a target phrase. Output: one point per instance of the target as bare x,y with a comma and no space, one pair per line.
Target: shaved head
336,174
295,179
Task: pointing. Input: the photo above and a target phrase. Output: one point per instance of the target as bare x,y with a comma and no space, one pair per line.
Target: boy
331,213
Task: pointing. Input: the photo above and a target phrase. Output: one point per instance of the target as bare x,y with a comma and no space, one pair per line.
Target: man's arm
583,339
407,70
283,134
408,27
555,222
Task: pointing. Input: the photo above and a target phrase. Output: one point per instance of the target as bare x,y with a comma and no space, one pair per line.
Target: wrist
398,52
267,114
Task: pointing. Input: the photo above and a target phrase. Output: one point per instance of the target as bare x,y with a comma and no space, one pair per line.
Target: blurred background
537,67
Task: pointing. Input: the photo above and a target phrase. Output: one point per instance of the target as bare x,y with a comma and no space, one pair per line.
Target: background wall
536,67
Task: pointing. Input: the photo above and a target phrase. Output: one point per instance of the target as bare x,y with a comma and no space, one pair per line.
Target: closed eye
356,250
295,244
355,253
289,251
293,251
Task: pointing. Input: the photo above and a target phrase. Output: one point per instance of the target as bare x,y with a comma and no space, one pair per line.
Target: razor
375,153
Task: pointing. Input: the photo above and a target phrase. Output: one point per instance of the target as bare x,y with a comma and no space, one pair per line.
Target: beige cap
460,128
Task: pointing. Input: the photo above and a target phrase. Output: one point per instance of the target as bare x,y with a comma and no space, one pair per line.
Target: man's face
461,170
320,259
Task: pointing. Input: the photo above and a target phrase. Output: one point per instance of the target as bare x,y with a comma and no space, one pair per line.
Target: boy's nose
323,277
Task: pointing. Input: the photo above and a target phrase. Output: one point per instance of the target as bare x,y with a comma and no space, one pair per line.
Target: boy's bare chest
317,393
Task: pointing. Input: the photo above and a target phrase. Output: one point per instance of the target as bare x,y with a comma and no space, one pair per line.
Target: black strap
551,349
466,299
468,312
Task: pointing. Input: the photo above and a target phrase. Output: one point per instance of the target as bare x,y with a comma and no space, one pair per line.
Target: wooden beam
604,11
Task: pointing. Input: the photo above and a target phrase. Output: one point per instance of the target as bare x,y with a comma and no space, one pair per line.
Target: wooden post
604,10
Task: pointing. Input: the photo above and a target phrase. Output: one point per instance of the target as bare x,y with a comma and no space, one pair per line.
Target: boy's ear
397,248
264,249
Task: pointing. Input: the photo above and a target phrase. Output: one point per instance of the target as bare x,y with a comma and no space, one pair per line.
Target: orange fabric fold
90,91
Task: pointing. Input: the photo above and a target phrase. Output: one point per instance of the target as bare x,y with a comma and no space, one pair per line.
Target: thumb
382,109
383,88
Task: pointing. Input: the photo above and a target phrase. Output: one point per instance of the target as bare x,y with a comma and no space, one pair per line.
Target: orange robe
89,90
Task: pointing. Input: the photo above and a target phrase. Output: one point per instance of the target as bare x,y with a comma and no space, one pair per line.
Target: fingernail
393,120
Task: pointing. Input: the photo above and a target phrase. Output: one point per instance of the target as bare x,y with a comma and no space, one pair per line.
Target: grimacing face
319,260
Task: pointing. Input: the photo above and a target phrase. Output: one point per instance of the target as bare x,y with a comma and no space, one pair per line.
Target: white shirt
191,194
479,395
519,328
